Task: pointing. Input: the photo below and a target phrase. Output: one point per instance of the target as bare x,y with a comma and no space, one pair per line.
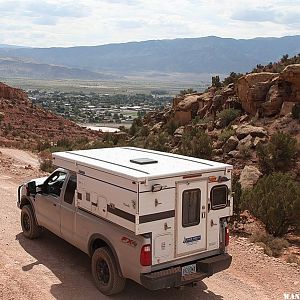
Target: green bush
136,125
226,116
272,246
171,126
226,134
275,200
195,142
157,142
237,204
278,154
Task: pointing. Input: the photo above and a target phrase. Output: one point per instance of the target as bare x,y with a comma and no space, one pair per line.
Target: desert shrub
275,200
293,259
171,126
226,134
41,146
295,111
197,143
215,81
157,142
278,154
232,78
46,163
226,116
245,152
65,143
187,91
272,246
136,125
144,131
237,195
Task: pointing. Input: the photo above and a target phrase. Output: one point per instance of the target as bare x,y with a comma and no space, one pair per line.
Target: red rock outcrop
8,92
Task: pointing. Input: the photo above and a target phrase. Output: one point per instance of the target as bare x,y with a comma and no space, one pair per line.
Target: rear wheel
30,228
105,272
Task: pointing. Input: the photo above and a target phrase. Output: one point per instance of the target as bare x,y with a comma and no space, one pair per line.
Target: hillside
12,68
193,55
258,104
24,125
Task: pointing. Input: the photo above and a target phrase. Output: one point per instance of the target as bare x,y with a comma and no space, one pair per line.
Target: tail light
146,257
226,236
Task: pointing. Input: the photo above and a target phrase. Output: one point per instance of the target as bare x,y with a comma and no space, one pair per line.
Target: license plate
187,270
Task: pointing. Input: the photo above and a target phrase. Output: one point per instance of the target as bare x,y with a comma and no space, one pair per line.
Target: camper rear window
191,207
219,196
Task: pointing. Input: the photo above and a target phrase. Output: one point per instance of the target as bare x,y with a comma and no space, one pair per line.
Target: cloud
268,14
95,22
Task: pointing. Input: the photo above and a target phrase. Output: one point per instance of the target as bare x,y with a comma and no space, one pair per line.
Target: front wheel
105,272
30,228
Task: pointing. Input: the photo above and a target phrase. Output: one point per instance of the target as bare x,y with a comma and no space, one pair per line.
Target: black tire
31,229
105,272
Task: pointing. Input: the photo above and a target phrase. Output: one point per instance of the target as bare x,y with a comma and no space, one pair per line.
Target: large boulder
249,177
230,144
247,129
252,89
274,99
245,143
291,75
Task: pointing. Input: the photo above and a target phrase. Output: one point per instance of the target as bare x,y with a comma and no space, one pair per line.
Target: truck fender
104,242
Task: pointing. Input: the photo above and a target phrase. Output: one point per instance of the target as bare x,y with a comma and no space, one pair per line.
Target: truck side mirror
32,187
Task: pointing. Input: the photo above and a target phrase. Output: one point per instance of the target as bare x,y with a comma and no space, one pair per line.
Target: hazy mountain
18,68
193,55
10,46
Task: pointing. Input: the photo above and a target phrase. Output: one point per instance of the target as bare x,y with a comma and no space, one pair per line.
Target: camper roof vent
143,161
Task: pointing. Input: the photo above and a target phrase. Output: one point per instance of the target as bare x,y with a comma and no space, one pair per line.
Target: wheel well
99,242
25,201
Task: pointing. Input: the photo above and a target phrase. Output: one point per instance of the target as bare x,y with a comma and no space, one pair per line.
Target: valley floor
50,268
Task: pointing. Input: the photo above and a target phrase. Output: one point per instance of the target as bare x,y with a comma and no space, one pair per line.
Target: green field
130,86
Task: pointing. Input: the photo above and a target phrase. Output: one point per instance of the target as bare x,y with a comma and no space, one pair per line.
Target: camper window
191,207
218,196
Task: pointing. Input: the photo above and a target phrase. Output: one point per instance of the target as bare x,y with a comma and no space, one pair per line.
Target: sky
48,23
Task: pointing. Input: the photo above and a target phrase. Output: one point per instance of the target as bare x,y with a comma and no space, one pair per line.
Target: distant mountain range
192,55
16,67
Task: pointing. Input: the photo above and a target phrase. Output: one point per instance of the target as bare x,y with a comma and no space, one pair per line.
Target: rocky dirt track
49,268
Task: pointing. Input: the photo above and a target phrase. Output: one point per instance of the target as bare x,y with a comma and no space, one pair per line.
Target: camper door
191,216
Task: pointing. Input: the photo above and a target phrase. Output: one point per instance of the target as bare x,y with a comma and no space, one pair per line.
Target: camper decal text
191,240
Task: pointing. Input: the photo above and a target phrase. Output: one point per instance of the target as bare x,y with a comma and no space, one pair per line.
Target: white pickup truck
159,219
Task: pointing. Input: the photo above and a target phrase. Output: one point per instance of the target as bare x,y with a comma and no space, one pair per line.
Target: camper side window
219,196
191,201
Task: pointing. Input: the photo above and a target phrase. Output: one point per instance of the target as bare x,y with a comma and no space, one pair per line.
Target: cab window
70,189
54,183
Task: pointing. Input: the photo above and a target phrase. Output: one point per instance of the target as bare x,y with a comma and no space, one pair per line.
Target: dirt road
49,268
